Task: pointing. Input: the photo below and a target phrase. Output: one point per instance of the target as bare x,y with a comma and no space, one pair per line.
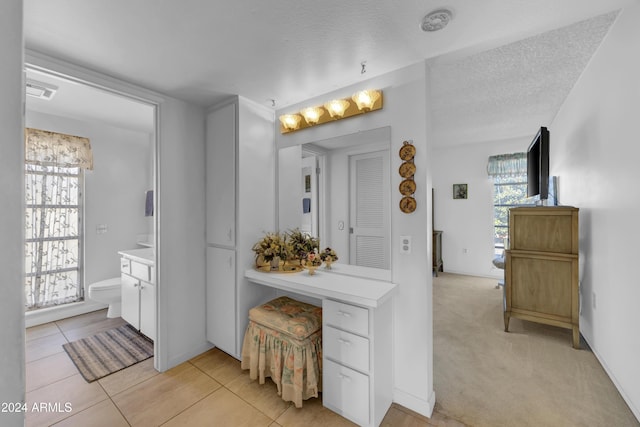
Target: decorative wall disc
407,187
407,151
407,170
408,204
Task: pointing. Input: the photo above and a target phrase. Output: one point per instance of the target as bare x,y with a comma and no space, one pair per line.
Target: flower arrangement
313,259
328,255
271,246
301,243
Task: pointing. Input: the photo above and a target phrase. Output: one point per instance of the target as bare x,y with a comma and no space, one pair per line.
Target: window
509,175
53,240
54,177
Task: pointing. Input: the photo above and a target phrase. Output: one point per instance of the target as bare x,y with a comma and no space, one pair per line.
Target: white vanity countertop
144,255
358,271
324,284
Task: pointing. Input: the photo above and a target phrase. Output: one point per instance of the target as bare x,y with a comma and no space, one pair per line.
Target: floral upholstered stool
284,341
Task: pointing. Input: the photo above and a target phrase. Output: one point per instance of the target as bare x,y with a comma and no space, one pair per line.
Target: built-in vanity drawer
125,265
346,392
346,348
346,316
140,271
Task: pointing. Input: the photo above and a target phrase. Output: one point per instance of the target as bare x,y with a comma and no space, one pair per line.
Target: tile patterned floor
207,390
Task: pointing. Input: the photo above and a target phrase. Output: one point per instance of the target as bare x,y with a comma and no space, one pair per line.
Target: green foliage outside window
508,191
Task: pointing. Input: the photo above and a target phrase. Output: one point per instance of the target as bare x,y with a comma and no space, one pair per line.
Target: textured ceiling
512,90
290,50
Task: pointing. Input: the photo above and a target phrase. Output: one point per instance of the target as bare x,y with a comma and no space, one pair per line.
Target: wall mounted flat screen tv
538,165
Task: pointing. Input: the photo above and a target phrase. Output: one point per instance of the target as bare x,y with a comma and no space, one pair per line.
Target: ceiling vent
40,90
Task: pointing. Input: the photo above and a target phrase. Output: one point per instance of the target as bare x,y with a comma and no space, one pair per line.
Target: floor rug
109,351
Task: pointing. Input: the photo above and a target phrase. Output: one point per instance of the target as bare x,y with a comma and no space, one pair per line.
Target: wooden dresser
541,271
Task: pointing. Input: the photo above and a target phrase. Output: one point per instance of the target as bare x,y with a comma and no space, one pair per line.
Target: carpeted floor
531,376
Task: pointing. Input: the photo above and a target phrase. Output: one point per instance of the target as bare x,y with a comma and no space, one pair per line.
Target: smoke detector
436,20
40,90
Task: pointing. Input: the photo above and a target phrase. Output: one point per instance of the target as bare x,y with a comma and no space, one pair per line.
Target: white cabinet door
148,309
221,176
221,298
130,300
346,392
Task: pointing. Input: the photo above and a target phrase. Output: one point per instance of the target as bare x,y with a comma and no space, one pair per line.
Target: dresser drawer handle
344,313
344,377
343,341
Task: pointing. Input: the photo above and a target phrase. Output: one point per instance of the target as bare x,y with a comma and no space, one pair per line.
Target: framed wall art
459,191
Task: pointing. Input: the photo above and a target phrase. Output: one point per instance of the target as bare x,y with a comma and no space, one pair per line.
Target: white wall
12,388
594,151
468,223
405,110
181,233
114,189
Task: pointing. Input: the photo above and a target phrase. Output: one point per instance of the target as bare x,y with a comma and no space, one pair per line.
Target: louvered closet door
369,209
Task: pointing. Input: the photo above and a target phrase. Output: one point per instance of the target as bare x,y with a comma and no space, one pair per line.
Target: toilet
108,292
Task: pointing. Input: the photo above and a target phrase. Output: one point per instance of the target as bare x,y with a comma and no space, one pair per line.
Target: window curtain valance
46,148
507,165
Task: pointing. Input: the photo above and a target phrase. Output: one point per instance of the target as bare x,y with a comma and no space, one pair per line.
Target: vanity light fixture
312,114
361,102
337,107
290,121
365,99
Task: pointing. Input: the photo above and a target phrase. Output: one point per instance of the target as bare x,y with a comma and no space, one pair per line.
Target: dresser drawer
346,348
345,316
140,271
125,265
346,392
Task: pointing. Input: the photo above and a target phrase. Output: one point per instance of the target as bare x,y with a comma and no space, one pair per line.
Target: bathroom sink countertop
144,255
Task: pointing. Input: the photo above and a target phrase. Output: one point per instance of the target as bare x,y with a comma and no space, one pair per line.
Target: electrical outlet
405,244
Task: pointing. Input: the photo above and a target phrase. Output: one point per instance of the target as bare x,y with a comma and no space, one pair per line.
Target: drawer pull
344,313
344,377
345,342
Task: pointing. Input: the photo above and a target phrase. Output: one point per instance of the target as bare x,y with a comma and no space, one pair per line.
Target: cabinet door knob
229,234
344,313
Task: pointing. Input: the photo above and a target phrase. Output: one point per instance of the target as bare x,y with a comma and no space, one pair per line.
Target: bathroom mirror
338,189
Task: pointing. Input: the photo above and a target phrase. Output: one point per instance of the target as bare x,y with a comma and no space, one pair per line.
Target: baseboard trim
52,314
473,274
632,407
181,358
414,403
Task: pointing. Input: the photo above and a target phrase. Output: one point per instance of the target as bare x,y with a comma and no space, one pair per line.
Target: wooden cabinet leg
506,321
576,337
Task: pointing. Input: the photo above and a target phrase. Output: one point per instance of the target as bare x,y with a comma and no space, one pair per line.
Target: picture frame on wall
460,191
